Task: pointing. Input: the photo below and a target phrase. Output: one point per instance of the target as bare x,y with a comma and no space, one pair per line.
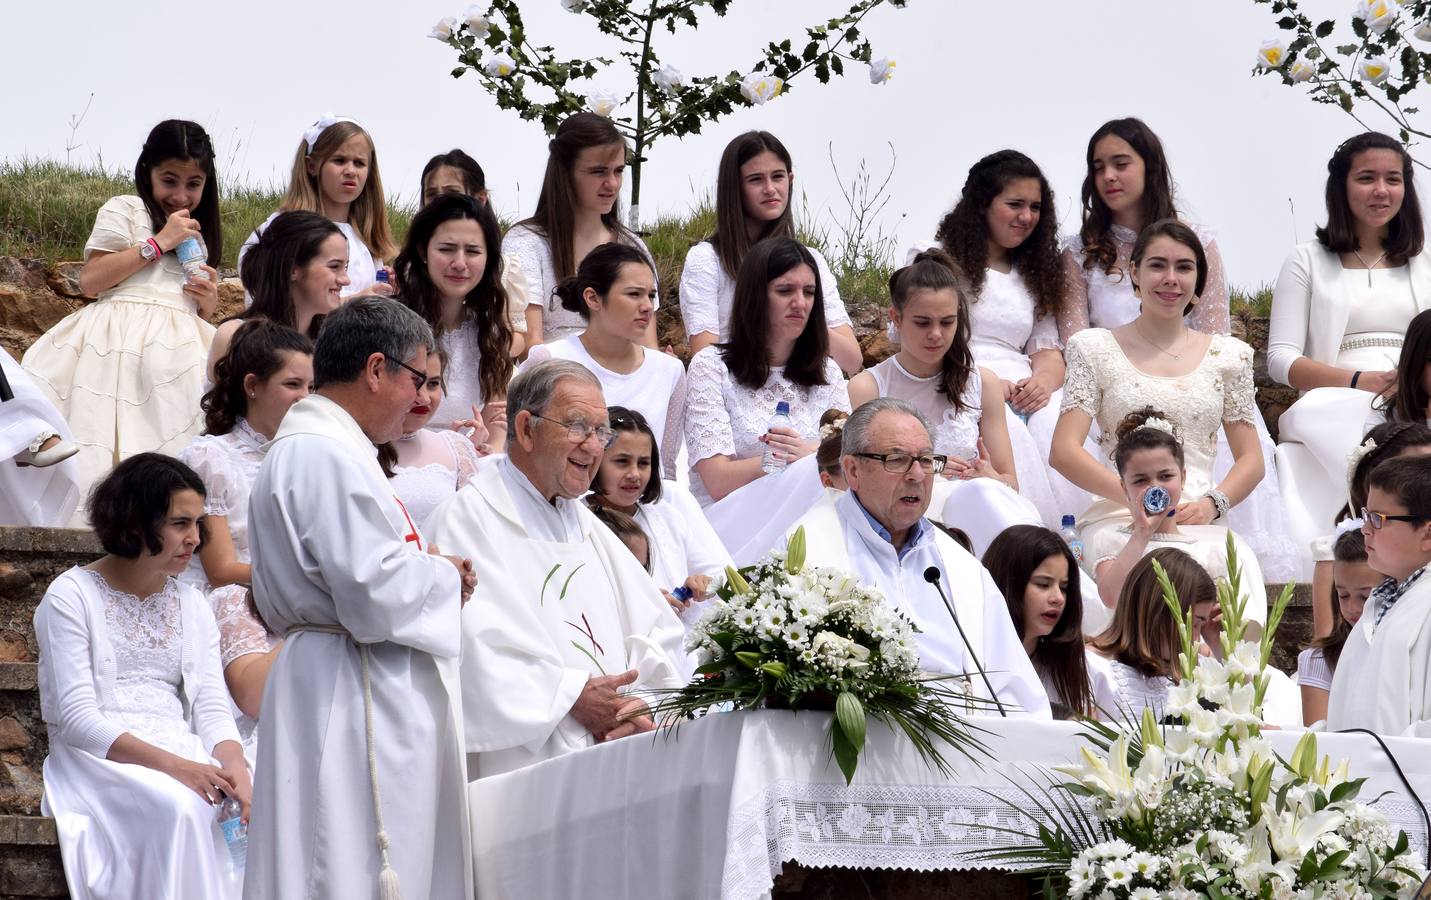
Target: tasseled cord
388,888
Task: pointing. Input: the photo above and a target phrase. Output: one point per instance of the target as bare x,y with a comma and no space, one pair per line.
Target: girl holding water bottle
127,372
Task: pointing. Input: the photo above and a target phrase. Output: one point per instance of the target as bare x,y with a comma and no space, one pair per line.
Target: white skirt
28,495
127,831
1262,519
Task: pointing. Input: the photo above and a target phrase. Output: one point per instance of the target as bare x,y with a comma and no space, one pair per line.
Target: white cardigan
77,668
1310,307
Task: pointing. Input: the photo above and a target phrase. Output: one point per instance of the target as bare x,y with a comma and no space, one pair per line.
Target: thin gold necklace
1373,265
1150,343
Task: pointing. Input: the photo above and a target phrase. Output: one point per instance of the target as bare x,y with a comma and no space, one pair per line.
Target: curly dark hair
258,348
128,508
964,231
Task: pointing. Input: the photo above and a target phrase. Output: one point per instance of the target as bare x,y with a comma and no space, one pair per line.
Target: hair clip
1354,460
312,135
1346,526
1159,424
830,429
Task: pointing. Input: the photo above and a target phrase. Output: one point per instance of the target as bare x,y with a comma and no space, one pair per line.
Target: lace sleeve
531,252
514,282
1211,313
1073,317
219,474
240,632
114,227
835,394
835,312
700,287
1239,398
673,435
464,453
1044,336
1081,390
708,427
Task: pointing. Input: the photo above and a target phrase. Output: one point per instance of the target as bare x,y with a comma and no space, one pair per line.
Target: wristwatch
1219,502
149,251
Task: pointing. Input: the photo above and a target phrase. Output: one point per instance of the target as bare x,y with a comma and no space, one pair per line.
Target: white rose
499,65
603,103
759,87
1271,54
881,70
1301,70
1375,69
477,22
1377,14
1422,32
442,31
668,78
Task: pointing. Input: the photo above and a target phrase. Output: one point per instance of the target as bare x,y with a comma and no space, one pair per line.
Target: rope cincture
388,887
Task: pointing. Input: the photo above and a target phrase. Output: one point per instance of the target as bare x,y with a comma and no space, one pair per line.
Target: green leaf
847,756
850,719
1325,28
795,552
750,658
1347,790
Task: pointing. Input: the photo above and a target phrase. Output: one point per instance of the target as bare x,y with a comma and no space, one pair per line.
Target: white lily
1293,835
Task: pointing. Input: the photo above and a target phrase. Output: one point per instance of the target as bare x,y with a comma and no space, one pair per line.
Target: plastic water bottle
235,831
1071,538
682,593
770,464
193,256
382,276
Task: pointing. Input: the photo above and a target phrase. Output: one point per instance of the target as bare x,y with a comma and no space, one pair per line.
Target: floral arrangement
783,634
1204,807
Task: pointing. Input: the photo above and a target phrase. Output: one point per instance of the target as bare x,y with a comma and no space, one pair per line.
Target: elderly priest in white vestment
877,530
566,629
371,617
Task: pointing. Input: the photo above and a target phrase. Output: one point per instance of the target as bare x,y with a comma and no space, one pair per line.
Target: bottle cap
1156,500
1068,521
382,276
782,408
682,593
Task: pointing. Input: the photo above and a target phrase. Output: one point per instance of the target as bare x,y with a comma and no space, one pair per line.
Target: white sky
972,78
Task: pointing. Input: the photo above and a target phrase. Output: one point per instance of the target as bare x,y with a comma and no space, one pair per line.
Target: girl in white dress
1037,574
1140,646
577,211
1339,313
454,172
268,369
753,186
37,478
335,174
1352,583
1149,455
142,744
683,549
778,351
964,403
427,466
614,292
127,372
1127,186
1201,381
450,272
295,274
999,236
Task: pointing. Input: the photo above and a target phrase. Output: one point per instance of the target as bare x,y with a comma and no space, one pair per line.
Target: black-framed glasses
421,376
579,432
900,463
1378,521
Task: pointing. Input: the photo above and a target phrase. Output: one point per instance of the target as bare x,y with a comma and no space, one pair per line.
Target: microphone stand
931,575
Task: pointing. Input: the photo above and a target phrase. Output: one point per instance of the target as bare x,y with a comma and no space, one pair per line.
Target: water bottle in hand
193,256
235,831
771,463
1071,538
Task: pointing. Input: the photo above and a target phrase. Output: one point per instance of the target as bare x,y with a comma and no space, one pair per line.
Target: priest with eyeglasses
566,634
877,530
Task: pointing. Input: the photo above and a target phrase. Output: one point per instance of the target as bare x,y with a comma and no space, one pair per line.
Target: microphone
931,575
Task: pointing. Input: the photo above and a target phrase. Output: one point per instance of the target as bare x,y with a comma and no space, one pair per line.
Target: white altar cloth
714,810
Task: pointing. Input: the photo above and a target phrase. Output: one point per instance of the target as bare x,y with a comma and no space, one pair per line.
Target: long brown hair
1099,249
934,270
731,241
485,305
556,204
368,214
1142,634
747,353
1011,560
964,232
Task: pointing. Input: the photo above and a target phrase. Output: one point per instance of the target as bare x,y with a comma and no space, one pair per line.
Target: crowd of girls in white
1061,380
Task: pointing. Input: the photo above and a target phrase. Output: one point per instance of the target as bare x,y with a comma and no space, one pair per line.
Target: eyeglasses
1378,521
579,432
900,463
421,376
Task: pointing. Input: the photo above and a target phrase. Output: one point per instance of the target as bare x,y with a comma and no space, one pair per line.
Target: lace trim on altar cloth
922,828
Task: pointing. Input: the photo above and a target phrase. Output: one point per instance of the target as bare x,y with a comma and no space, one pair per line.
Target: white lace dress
442,463
708,293
461,379
532,250
1136,692
1106,300
1105,385
724,418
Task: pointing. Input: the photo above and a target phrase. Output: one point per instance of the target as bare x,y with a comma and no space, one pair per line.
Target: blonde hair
368,214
